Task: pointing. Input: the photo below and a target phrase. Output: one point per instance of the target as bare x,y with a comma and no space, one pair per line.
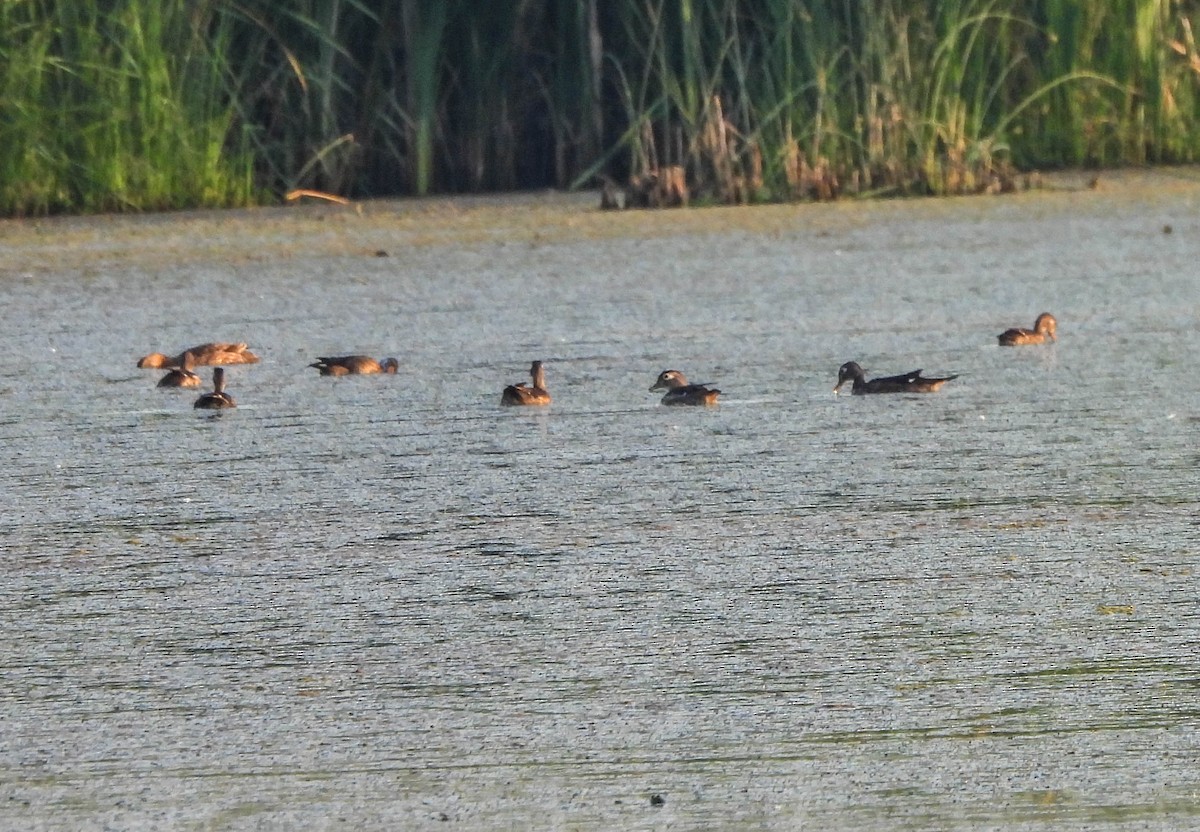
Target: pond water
386,602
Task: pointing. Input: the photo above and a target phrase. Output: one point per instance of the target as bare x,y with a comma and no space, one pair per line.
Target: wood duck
523,394
218,398
1044,329
680,392
912,382
203,354
181,376
354,365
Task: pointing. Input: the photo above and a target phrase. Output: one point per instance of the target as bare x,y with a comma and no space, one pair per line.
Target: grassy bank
131,105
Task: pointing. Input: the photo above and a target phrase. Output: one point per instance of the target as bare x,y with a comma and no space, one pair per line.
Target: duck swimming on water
218,399
354,365
680,392
912,382
181,376
1044,329
523,394
202,354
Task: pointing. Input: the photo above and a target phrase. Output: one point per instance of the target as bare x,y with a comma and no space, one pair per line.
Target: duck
218,399
181,376
680,392
523,394
354,365
202,354
912,382
1044,329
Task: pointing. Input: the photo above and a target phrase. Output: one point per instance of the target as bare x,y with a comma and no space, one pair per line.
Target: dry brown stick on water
292,196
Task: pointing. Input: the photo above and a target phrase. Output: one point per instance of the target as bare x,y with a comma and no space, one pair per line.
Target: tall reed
117,107
128,104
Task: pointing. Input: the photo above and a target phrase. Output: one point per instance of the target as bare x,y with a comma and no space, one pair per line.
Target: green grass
116,109
136,105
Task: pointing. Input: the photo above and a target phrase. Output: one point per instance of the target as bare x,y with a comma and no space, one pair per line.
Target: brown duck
680,392
203,354
1044,329
912,382
181,376
523,394
354,365
218,398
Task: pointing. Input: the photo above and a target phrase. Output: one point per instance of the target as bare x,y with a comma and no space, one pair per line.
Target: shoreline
379,228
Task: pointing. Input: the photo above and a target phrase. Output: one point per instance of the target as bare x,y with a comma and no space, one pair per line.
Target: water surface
386,602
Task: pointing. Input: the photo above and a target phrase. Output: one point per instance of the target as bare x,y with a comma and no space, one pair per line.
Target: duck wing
218,354
523,394
1016,335
902,379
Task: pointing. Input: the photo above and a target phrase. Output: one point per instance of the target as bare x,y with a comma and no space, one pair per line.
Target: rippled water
387,602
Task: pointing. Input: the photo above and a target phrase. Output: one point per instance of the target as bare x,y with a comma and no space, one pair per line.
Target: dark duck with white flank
912,382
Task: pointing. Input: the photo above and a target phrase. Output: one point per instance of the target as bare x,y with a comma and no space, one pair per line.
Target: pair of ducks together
679,391
1044,329
183,376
